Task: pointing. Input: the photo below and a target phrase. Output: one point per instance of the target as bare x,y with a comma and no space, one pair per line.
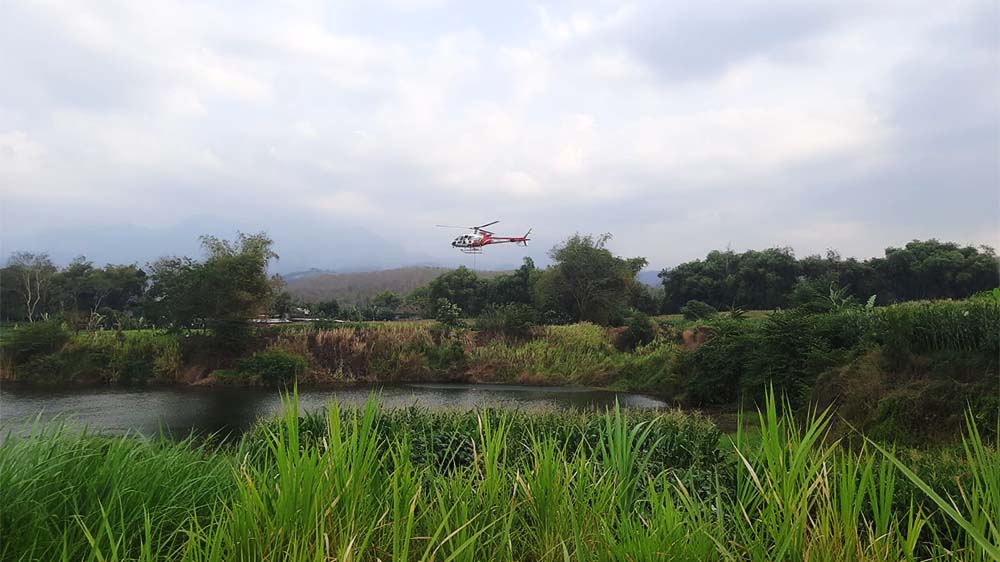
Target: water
231,411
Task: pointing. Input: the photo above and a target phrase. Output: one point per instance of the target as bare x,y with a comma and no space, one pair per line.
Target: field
411,485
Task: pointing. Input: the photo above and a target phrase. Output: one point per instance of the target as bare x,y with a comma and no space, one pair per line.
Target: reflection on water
182,410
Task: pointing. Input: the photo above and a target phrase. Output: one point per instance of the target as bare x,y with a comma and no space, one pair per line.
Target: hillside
357,287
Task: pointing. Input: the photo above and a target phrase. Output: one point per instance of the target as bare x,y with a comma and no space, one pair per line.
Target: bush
274,366
638,331
448,313
28,341
712,374
556,318
512,320
697,310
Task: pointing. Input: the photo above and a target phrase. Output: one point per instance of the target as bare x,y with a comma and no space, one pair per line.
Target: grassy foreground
376,485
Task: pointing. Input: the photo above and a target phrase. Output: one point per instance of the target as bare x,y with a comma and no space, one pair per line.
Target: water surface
230,411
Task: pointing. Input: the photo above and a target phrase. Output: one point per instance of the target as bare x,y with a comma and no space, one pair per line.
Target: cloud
679,127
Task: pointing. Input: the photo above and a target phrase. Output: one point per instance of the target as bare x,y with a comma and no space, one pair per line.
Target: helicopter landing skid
471,250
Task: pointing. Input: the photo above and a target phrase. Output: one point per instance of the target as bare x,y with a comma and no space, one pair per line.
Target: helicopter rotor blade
480,227
451,226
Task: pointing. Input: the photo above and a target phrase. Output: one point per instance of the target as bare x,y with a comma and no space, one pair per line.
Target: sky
348,130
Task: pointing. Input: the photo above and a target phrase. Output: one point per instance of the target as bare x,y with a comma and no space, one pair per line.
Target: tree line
775,278
585,282
221,292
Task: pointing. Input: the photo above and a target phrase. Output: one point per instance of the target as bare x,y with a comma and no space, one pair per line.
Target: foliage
790,349
697,310
29,341
125,358
460,287
513,288
587,280
774,278
327,309
638,331
274,366
448,313
714,372
58,486
33,287
370,485
222,293
512,320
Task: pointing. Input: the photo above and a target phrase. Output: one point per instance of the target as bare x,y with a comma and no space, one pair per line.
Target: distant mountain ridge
359,286
649,277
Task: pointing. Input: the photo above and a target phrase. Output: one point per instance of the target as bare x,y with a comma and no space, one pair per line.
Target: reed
349,488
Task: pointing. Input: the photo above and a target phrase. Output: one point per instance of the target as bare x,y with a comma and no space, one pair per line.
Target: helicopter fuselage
474,242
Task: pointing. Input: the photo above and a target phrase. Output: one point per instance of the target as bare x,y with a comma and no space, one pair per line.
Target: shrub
712,374
28,341
512,320
638,331
787,355
556,318
697,310
448,313
274,366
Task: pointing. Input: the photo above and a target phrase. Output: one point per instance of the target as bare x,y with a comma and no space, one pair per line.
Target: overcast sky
128,128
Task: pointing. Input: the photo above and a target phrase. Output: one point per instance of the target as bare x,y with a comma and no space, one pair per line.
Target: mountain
302,242
649,277
358,287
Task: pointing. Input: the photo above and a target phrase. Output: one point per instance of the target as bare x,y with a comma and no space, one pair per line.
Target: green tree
327,309
461,287
586,280
382,306
221,293
513,288
773,278
448,313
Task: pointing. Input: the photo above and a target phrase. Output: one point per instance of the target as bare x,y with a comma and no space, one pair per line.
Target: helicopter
475,242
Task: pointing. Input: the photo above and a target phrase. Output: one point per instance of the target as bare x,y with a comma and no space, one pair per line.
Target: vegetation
903,372
587,282
773,278
273,366
407,485
580,321
222,293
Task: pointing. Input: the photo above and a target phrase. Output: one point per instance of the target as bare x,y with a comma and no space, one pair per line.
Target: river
180,411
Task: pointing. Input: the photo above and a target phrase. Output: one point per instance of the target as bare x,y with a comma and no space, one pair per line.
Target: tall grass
347,489
59,491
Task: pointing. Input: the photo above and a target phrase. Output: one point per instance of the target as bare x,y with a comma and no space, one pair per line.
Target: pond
231,411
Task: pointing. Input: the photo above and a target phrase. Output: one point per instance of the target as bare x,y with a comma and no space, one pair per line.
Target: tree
773,277
461,287
512,288
387,300
382,306
222,293
31,275
587,280
281,304
327,309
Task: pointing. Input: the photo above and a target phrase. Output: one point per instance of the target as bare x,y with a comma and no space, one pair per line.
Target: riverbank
371,484
905,372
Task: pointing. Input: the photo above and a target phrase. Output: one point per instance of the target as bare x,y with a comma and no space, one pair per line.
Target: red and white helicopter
480,238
